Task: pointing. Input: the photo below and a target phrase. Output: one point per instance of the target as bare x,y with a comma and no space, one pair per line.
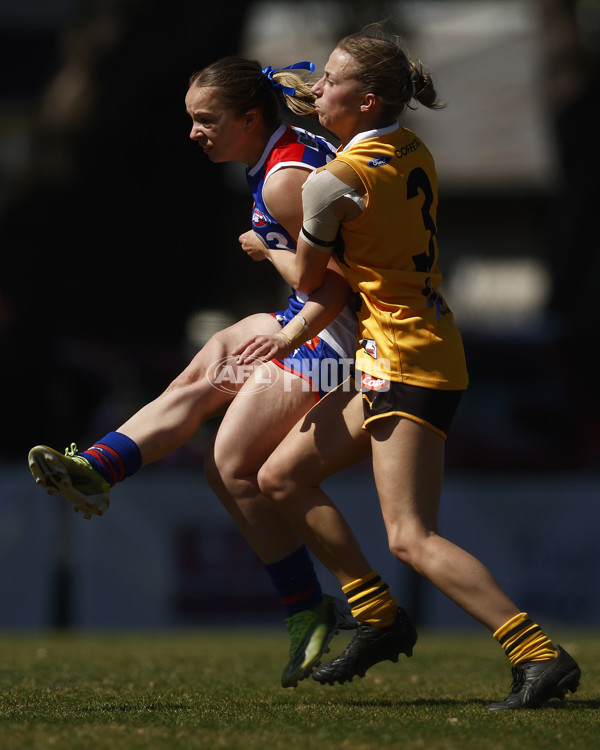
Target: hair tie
268,71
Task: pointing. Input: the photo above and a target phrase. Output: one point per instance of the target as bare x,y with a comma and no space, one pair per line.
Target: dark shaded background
116,229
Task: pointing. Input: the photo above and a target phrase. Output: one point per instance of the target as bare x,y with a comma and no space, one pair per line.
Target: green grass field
203,689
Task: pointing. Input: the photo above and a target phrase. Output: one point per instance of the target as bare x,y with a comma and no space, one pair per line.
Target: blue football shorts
321,367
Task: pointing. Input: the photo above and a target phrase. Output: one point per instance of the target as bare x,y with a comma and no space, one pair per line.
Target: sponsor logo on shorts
374,384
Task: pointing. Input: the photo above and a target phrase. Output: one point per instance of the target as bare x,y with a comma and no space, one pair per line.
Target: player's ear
251,118
368,103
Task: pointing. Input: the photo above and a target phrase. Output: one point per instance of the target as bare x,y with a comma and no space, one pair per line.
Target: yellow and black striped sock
371,600
523,640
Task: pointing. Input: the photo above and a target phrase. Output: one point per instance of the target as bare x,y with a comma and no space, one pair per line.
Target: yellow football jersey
389,255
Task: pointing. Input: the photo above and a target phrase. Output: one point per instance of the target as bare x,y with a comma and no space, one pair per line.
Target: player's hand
261,348
252,245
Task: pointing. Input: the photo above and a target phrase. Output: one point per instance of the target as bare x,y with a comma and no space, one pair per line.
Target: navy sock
296,581
114,457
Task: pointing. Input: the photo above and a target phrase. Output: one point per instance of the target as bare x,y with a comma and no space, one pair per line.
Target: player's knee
401,552
272,481
202,365
224,468
219,472
410,546
188,379
404,545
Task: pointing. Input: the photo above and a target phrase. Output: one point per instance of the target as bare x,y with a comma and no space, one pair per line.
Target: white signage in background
167,554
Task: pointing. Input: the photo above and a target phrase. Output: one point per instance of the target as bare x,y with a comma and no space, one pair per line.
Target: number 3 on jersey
418,180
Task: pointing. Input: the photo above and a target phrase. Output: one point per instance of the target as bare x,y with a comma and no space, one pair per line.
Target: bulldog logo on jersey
370,347
258,218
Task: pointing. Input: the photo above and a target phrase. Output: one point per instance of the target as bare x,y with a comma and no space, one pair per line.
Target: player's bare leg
256,422
304,459
193,397
160,427
329,438
409,491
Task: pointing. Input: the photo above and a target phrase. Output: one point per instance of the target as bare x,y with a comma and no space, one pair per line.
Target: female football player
410,371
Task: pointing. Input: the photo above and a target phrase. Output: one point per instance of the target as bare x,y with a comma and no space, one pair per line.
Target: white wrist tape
295,331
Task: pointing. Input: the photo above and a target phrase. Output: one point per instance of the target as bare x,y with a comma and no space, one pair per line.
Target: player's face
221,134
339,96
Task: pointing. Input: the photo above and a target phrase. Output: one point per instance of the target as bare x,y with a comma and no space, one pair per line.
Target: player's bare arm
282,197
321,308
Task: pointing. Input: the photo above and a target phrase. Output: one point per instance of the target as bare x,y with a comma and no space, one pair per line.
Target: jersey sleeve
329,197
